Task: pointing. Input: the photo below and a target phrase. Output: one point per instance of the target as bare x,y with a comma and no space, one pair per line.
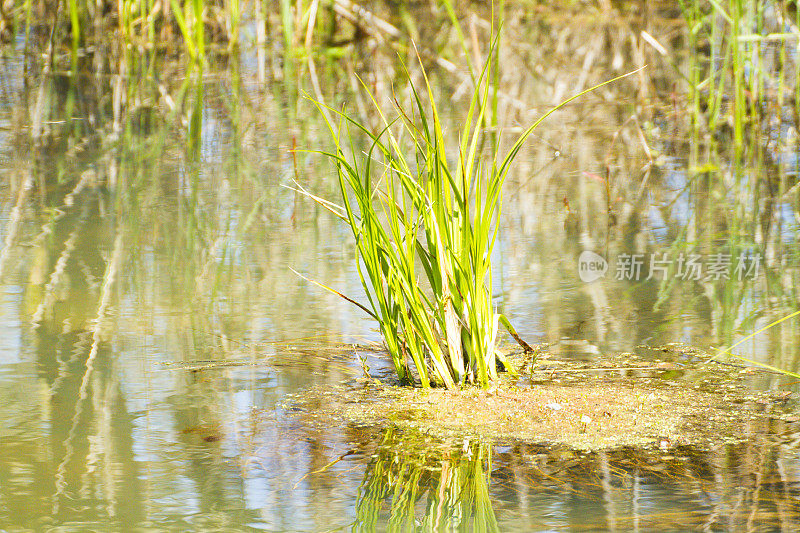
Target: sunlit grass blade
729,351
337,293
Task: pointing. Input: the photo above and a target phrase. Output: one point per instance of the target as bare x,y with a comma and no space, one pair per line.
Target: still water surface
150,326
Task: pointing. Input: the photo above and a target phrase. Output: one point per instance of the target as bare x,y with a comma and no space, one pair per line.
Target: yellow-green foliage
419,208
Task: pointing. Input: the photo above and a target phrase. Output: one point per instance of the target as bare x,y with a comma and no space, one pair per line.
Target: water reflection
412,482
149,322
414,485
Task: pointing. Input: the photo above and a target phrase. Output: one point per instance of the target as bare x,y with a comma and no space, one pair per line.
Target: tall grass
125,25
752,61
189,17
743,78
424,216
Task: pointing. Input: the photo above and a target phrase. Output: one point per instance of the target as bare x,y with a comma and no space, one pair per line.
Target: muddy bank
620,401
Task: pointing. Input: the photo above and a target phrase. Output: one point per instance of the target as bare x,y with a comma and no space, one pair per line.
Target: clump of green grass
424,216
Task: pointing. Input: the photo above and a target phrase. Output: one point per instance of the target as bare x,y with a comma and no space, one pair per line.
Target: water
150,325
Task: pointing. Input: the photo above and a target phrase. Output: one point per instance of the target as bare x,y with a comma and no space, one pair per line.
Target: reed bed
173,105
749,67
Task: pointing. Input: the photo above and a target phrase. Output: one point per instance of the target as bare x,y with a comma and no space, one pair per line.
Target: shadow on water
149,320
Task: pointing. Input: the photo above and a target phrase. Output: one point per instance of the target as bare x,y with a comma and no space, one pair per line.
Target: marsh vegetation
152,326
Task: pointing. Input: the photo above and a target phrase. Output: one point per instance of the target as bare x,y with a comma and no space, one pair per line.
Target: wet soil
603,404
